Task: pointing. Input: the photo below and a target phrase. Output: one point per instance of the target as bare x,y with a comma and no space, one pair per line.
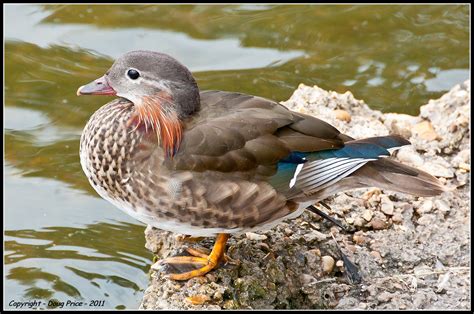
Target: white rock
255,236
465,166
387,205
438,170
425,207
461,157
314,235
367,215
443,282
407,154
442,206
400,123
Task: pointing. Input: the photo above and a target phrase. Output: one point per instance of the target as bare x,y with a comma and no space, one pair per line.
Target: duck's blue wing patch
303,172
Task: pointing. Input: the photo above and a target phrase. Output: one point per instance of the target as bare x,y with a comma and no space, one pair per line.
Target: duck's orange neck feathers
157,113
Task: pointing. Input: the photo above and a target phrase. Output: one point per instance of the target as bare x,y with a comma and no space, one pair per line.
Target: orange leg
209,262
204,252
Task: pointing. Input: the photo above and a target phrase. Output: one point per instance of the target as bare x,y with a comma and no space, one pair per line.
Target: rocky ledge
404,252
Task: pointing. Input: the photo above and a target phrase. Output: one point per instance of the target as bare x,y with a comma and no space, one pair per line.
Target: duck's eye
133,74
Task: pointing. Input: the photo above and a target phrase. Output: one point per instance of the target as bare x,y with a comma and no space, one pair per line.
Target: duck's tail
391,175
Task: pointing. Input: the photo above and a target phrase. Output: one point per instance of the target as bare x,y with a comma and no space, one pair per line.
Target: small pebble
197,299
359,222
387,205
367,215
342,115
307,279
211,277
425,207
384,296
358,238
374,191
263,246
464,166
217,296
397,218
453,128
327,263
426,220
442,205
339,263
443,282
438,170
378,224
376,255
351,248
314,235
425,131
255,236
408,154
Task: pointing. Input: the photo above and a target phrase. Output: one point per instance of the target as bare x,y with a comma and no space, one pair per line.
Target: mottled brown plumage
220,162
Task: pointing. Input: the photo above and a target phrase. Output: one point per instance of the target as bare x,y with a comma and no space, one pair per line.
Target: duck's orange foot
205,262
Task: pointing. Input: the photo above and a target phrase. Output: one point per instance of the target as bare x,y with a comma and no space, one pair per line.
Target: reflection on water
53,262
62,241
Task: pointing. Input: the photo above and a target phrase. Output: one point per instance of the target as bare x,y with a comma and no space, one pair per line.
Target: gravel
406,253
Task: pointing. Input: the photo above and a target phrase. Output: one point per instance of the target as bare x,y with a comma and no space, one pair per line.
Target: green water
62,242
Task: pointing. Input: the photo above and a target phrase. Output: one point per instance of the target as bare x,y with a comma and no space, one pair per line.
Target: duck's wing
235,132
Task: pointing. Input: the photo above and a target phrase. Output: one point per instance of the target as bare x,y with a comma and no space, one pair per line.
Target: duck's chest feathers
113,153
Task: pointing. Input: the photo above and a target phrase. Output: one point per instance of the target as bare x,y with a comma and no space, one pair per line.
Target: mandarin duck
216,163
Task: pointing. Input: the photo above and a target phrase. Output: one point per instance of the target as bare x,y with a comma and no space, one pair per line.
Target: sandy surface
410,252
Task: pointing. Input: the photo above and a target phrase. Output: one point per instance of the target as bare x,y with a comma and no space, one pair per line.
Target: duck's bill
98,87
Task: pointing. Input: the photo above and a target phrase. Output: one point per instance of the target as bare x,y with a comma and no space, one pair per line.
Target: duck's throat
157,114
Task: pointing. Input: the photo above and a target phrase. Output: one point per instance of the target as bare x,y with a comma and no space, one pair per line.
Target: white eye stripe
162,85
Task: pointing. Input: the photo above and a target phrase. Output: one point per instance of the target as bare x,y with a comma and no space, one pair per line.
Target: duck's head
162,90
143,76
